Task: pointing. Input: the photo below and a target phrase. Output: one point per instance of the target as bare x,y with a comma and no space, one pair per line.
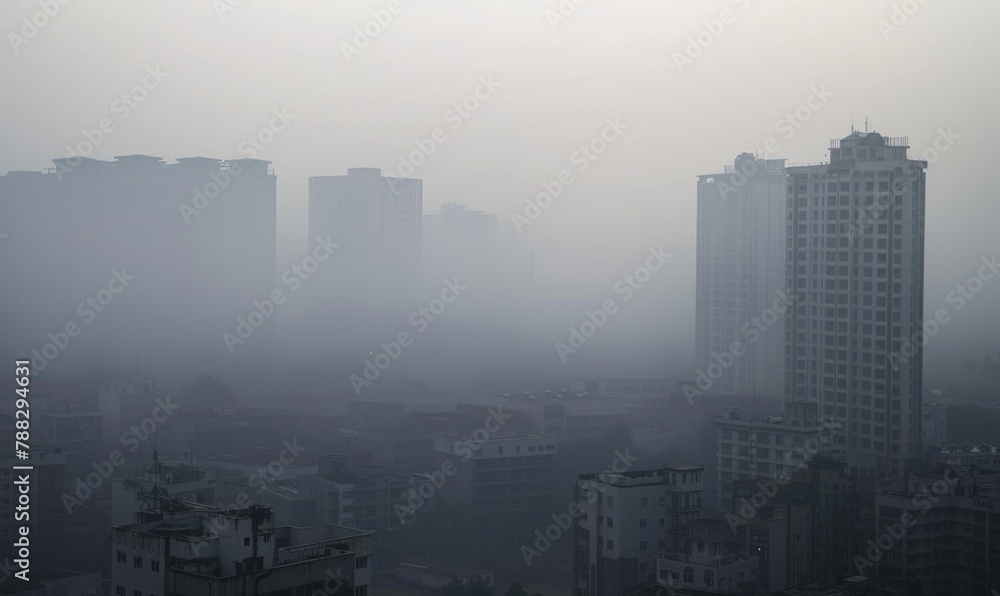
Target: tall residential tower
856,263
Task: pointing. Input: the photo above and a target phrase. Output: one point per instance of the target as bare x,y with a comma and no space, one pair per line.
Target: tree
516,589
475,586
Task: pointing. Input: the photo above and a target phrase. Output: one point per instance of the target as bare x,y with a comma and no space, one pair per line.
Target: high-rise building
625,520
140,257
376,220
741,278
855,262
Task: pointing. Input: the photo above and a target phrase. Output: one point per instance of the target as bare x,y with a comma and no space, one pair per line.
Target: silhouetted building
741,286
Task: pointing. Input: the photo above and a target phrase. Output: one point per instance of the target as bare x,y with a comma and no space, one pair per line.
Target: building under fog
856,264
138,257
741,277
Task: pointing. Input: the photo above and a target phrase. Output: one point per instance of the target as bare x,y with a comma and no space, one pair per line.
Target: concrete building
856,264
626,519
404,450
504,473
376,220
751,448
72,426
803,528
564,414
934,428
708,561
193,242
741,278
131,496
185,549
949,542
364,497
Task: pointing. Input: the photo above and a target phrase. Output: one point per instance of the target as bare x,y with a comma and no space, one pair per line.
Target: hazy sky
558,83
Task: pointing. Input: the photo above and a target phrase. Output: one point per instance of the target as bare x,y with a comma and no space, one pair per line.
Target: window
643,545
709,578
611,522
246,541
643,502
610,544
119,590
662,522
361,563
610,500
642,523
155,566
137,562
122,557
688,575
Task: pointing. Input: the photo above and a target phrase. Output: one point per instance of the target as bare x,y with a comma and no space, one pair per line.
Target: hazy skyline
558,81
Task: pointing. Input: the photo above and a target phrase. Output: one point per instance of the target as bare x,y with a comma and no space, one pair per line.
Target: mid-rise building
709,562
130,496
741,289
938,534
187,550
750,448
625,520
934,428
855,263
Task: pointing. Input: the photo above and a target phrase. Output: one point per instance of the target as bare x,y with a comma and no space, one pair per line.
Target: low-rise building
708,561
184,549
625,520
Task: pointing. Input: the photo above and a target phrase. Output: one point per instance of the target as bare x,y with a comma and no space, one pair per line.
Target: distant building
180,250
626,519
751,448
376,220
741,286
184,549
47,513
934,429
503,473
363,497
54,582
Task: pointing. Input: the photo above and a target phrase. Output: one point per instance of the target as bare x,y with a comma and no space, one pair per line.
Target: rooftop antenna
852,120
866,124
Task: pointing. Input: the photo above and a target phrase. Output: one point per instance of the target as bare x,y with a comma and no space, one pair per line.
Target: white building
741,281
626,519
856,265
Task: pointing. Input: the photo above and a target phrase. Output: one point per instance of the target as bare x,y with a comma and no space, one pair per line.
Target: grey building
740,293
